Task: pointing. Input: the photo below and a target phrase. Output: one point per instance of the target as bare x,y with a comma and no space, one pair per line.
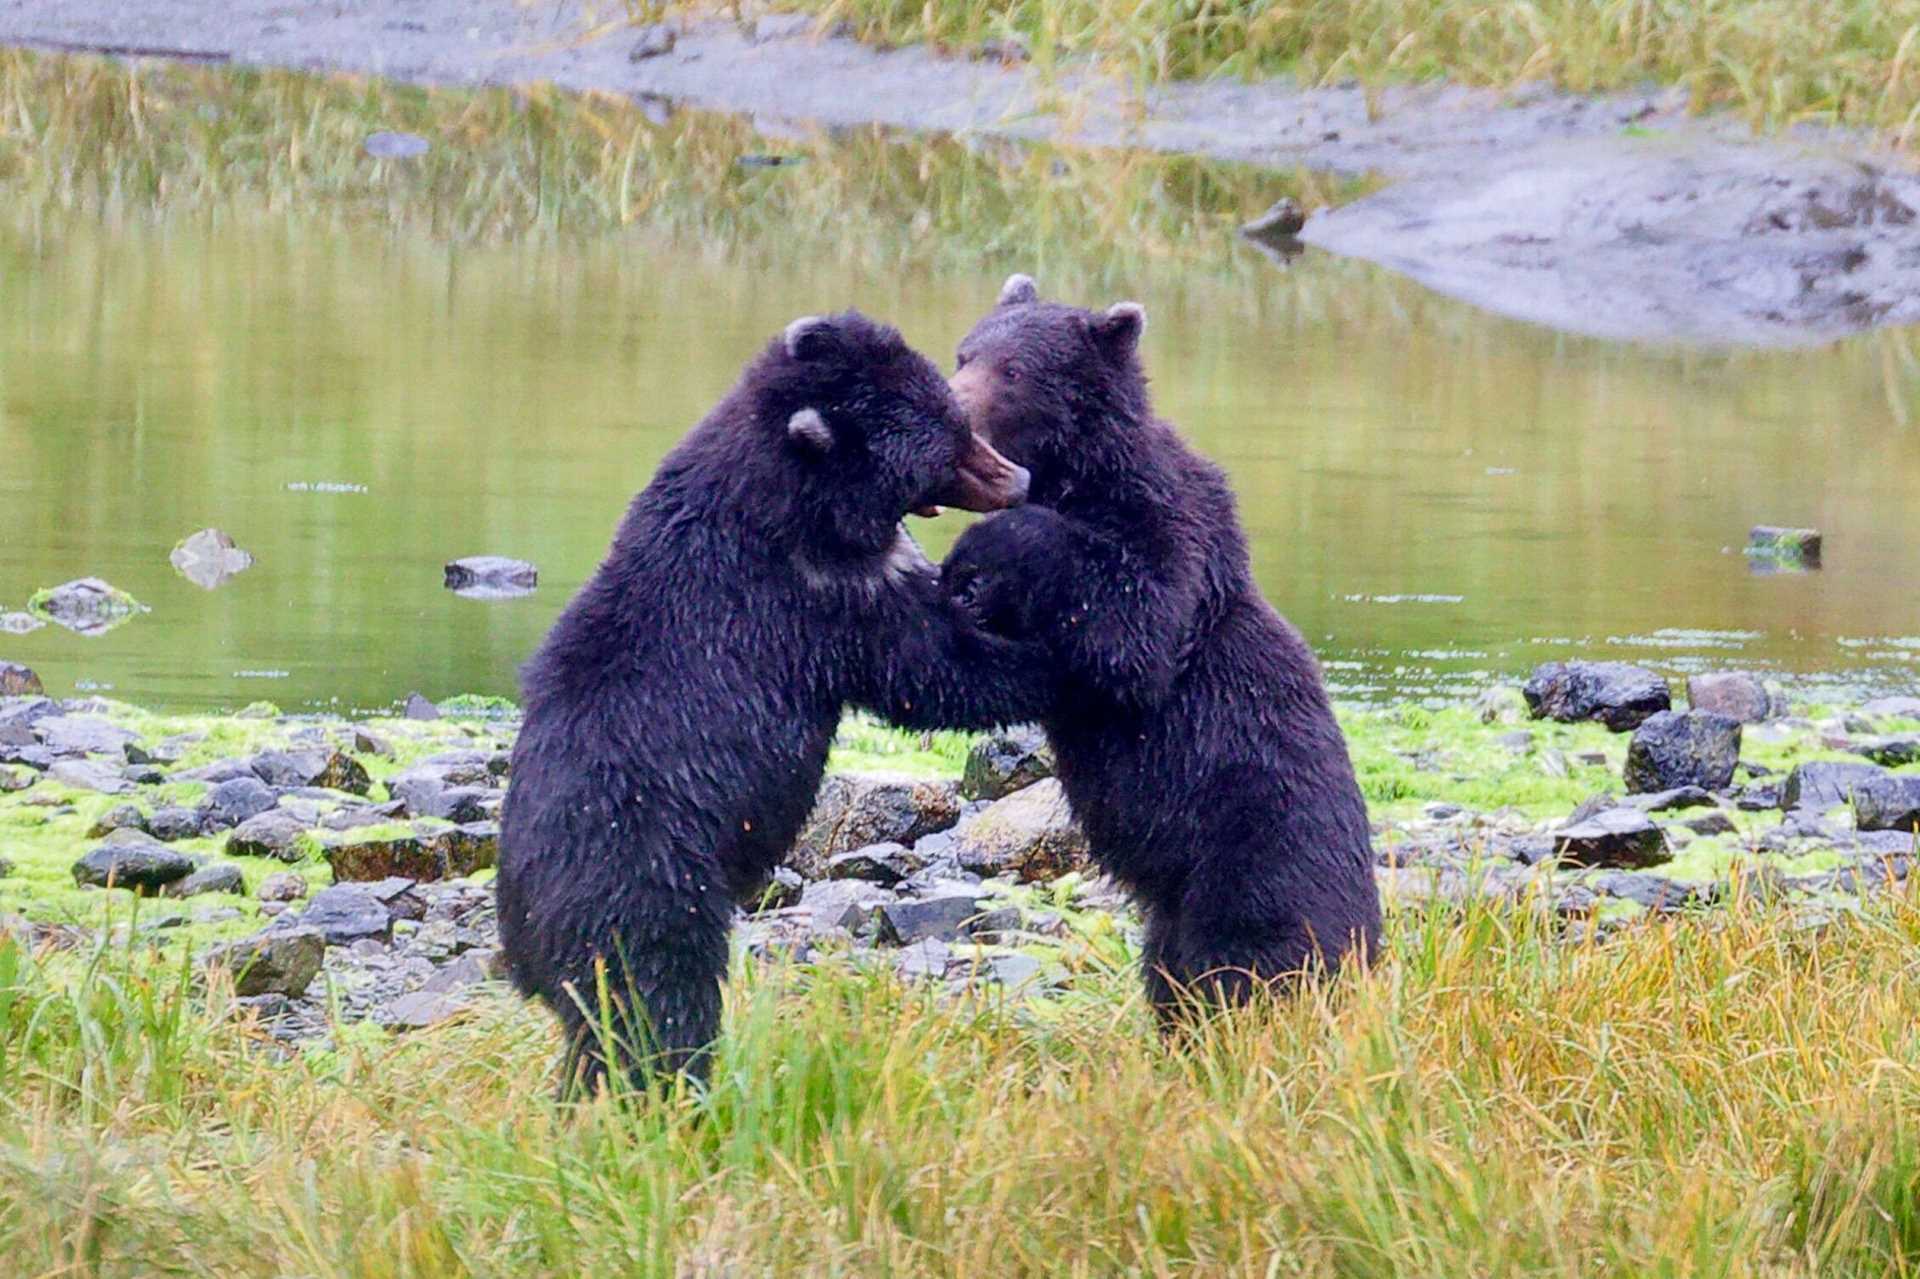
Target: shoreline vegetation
1541,1075
1776,63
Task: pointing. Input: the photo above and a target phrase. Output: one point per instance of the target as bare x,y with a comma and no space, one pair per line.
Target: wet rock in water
86,606
122,817
1002,763
1890,802
491,577
392,145
1029,836
943,917
1892,752
330,770
209,558
282,886
344,913
84,735
885,864
19,681
86,775
174,822
130,859
1794,545
1614,693
1622,837
1738,695
1283,220
220,877
232,802
275,833
1824,784
843,903
419,707
19,623
656,41
857,809
279,961
1673,749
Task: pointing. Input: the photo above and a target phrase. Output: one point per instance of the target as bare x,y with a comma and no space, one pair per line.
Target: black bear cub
679,714
1193,734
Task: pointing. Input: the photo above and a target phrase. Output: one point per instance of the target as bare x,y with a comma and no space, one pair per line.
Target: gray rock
1614,693
275,833
1282,220
1002,763
857,809
1775,542
1029,836
330,770
220,770
924,960
220,877
876,863
491,577
230,803
782,889
1893,708
1891,752
1652,891
130,859
122,817
656,40
27,711
420,1009
17,623
16,779
19,681
944,918
1672,749
1891,802
1824,784
84,774
282,886
424,853
209,558
419,707
174,822
1759,797
1738,695
344,913
1623,837
1713,823
844,903
419,789
1007,968
86,606
1501,704
368,742
279,961
1663,801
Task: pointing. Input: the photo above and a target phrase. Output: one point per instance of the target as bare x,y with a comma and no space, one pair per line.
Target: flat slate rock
83,774
1620,837
1824,784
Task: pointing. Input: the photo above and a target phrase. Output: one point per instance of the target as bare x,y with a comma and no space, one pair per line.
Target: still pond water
1435,496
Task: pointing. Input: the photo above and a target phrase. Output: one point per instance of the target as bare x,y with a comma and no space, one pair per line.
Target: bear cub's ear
1119,328
811,336
810,431
1018,290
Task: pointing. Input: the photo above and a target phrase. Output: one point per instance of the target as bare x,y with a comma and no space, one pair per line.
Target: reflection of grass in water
94,135
1775,61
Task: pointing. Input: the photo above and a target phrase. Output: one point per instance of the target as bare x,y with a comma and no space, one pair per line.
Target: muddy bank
1618,216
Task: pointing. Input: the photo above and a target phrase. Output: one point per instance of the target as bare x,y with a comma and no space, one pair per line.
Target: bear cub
679,713
1192,732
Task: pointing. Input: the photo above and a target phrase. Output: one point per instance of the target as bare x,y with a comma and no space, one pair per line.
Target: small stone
1823,784
331,770
943,918
1652,891
1614,693
1029,836
1738,695
1500,704
209,558
1618,837
420,708
86,606
1713,823
924,960
275,833
1668,800
1893,708
221,877
1519,742
84,735
491,577
124,817
130,859
280,961
283,886
19,623
19,681
174,822
1002,763
1009,969
876,863
421,1009
655,41
845,903
1774,542
1674,749
1890,802
86,775
231,803
368,742
345,913
220,770
1282,221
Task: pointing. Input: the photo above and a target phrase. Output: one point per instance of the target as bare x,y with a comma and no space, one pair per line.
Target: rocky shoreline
340,870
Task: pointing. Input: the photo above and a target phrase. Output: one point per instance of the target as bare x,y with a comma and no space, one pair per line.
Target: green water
1435,496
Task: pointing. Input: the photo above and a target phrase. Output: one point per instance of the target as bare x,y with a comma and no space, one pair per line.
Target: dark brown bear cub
1193,734
678,715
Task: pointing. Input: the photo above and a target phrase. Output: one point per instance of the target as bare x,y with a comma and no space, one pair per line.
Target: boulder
1622,837
1001,763
84,774
1029,836
854,810
1893,708
209,558
942,917
220,877
1673,749
343,913
279,961
19,681
330,770
174,822
230,803
1891,752
845,903
422,853
123,817
1738,695
420,708
282,886
1823,784
1889,802
275,833
1614,693
86,606
130,859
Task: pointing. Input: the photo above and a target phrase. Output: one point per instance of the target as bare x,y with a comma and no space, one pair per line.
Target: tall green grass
1726,1095
1775,61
